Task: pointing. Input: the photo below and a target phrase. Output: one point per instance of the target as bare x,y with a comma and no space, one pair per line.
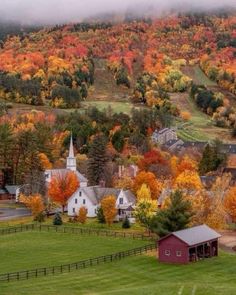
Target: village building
189,245
91,196
162,136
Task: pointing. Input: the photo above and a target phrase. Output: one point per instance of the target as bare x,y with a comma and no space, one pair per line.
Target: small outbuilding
189,245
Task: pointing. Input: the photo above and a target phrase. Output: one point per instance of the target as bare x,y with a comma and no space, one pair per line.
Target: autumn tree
82,215
150,180
108,205
144,211
34,202
144,192
230,203
62,187
189,181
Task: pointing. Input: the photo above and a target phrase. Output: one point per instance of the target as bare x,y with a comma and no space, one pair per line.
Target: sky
62,11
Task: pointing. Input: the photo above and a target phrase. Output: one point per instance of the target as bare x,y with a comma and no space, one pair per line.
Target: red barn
189,245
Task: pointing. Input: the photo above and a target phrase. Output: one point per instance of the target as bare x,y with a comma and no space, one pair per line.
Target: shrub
82,215
126,223
57,219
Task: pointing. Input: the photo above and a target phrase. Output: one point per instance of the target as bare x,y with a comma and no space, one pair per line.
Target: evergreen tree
212,158
97,160
126,223
57,219
100,215
173,218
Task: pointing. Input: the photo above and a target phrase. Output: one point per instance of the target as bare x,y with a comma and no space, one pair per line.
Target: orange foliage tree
230,203
108,205
150,158
34,203
82,215
150,180
62,187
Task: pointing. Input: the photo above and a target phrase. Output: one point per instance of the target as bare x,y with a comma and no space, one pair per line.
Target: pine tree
126,223
97,160
57,219
212,158
175,217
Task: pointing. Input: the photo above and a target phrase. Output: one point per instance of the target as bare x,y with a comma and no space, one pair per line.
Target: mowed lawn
137,275
29,250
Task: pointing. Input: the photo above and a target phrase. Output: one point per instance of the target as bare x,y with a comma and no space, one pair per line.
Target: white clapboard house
91,196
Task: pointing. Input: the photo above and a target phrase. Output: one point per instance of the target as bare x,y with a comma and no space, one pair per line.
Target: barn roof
196,235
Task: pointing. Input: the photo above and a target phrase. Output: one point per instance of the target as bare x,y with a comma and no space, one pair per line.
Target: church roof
55,172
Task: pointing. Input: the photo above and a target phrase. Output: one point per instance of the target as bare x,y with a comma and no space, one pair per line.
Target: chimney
102,183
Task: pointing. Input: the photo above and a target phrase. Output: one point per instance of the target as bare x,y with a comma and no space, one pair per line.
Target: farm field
200,127
137,275
29,250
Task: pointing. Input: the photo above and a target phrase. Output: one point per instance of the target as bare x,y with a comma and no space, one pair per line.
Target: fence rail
75,230
38,272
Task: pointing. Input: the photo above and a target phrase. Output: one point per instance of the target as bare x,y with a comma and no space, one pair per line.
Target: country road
11,213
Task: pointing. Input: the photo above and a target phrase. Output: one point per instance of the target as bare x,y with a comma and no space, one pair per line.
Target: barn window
178,253
167,252
84,201
76,201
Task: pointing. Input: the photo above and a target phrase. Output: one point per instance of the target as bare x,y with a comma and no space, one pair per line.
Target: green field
133,275
116,106
29,250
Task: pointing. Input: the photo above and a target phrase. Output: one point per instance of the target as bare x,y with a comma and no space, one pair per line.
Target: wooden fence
75,230
38,272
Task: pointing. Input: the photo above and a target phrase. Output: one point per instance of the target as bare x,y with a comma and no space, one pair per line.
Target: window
167,252
73,210
84,201
178,253
95,211
76,201
121,201
80,194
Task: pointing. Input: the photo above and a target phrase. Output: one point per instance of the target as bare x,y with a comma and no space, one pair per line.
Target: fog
62,11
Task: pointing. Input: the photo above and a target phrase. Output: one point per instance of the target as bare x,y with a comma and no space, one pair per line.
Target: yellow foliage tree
34,203
108,205
189,181
144,192
230,203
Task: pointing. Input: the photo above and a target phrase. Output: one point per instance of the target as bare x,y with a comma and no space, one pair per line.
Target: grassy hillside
137,275
30,250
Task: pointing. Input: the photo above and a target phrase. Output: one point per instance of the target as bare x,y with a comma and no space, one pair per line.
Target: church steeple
71,160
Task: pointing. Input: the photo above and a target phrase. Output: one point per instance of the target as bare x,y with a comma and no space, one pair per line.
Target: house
13,191
70,166
129,171
189,245
90,197
162,136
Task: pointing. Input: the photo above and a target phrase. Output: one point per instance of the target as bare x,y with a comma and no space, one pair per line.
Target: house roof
55,172
196,235
97,193
12,189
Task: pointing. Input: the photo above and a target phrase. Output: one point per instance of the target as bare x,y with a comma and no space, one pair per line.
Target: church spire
71,160
71,151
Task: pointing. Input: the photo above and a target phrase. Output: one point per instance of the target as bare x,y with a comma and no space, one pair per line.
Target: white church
91,196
